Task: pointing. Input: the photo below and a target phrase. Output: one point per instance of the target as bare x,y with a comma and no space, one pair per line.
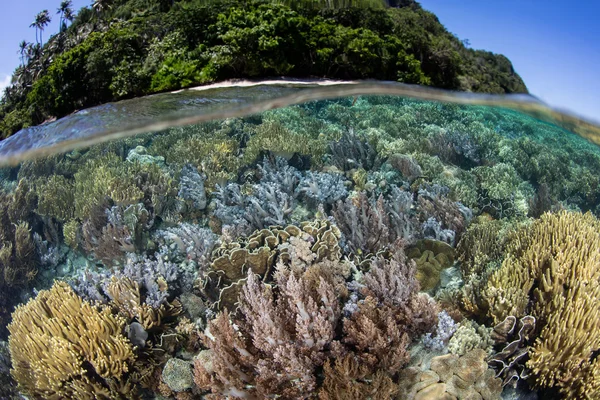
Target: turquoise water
366,246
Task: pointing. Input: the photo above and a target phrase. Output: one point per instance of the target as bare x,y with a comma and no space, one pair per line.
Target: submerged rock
177,374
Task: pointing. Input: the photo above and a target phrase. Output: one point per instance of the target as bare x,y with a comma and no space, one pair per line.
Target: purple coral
191,188
146,272
444,331
322,188
352,151
186,242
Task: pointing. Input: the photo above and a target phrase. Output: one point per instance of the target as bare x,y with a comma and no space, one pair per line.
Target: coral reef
285,332
293,253
63,347
551,276
451,377
431,257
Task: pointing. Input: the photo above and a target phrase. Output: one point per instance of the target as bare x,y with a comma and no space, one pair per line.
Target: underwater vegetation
368,248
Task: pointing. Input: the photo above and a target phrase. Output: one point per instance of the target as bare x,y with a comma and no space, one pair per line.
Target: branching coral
63,347
274,137
369,226
284,334
550,272
213,153
186,242
123,182
56,197
353,151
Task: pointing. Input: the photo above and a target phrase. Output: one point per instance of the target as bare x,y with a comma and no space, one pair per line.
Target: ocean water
302,241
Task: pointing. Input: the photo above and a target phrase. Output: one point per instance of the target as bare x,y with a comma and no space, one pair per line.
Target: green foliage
138,47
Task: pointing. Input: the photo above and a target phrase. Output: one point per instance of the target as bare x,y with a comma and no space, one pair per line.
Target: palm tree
65,11
68,16
41,20
23,50
101,5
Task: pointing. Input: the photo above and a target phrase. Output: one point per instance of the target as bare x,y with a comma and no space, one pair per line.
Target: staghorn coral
191,189
63,347
369,226
322,188
186,242
353,151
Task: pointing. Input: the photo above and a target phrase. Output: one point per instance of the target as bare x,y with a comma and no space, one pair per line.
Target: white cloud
4,82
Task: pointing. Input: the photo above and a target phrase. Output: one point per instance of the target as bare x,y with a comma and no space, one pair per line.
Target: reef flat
371,247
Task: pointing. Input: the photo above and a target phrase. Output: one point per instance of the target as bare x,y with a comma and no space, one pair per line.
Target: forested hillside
124,48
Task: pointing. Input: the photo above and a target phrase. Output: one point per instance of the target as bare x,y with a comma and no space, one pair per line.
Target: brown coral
285,333
261,251
431,257
451,377
63,347
125,294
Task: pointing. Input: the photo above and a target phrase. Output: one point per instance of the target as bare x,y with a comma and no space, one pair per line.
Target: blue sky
554,45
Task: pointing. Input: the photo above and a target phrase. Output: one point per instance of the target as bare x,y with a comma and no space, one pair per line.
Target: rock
177,374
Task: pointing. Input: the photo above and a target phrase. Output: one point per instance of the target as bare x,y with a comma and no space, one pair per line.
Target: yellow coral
63,347
273,136
56,197
213,154
552,272
71,233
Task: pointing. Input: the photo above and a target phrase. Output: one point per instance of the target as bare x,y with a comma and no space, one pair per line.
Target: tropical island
118,49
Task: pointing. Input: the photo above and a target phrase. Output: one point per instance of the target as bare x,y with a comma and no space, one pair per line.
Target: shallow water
364,246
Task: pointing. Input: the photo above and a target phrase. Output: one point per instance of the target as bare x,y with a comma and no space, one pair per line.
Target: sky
554,45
